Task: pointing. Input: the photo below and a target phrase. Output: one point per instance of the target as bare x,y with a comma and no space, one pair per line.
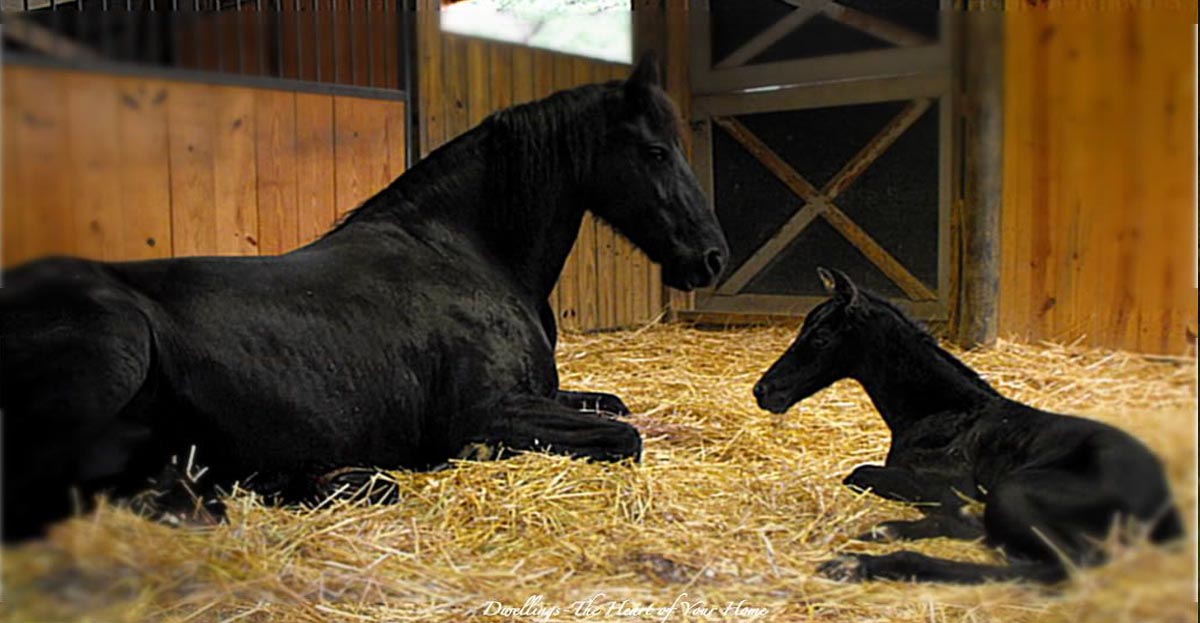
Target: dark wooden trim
983,172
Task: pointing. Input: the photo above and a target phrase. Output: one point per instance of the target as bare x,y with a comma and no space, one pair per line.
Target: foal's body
419,326
1053,485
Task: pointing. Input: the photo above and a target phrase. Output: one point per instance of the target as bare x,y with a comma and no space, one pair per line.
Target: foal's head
829,347
643,185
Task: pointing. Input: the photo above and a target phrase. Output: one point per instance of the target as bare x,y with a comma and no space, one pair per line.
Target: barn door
823,132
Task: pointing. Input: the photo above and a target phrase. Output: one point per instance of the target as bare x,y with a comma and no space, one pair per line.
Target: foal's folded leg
594,402
931,526
521,423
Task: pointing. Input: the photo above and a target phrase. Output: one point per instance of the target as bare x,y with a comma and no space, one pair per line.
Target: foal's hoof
478,452
882,533
845,568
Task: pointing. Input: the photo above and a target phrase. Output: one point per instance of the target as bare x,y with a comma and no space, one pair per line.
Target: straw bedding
729,505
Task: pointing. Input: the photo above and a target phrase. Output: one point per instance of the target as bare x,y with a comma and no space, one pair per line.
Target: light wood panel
1097,227
125,168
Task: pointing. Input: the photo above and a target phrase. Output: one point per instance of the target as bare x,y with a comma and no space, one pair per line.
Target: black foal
1053,485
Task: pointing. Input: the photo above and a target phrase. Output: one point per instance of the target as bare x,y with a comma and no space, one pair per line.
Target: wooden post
983,172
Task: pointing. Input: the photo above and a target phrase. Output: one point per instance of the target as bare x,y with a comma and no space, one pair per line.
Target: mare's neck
910,378
446,198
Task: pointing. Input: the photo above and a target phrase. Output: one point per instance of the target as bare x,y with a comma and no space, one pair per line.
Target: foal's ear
645,73
839,285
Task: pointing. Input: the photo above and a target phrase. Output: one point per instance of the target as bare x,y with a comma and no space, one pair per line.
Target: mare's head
642,184
828,349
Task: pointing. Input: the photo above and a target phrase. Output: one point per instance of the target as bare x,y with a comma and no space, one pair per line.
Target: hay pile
729,504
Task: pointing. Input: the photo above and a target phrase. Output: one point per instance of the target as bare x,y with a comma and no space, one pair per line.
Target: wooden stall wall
1098,222
120,168
606,283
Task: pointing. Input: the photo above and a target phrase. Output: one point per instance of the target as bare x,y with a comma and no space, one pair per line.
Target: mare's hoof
608,403
478,452
844,568
358,484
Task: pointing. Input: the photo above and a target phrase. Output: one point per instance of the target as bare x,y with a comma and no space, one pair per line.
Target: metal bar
317,37
299,39
334,26
206,77
240,26
370,45
350,40
408,52
279,38
765,39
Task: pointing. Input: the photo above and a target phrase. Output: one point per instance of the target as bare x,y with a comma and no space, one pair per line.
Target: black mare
1053,485
417,327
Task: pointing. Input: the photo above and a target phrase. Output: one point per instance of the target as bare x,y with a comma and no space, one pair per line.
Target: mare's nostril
760,390
714,260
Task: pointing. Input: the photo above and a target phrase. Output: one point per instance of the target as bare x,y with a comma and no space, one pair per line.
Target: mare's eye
656,153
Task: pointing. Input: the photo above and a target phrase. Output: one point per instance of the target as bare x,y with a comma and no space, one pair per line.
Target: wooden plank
479,104
875,26
500,65
983,172
235,198
430,75
522,74
913,287
315,166
803,12
360,150
93,161
190,135
771,249
568,289
455,86
396,121
145,173
875,147
776,165
275,145
48,217
14,193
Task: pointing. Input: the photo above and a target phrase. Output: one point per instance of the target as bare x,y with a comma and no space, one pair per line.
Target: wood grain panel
94,146
1097,241
235,193
123,168
360,149
190,138
144,174
275,144
315,201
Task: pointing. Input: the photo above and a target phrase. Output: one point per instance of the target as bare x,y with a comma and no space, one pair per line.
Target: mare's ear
645,74
839,285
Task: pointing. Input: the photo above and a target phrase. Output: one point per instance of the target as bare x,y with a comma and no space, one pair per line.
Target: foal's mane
915,330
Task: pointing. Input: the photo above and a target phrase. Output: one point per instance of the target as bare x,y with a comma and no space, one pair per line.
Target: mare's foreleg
593,402
531,423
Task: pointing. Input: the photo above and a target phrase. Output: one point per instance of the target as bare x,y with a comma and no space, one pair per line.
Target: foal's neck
909,377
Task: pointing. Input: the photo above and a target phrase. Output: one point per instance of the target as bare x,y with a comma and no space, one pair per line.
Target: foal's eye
656,153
